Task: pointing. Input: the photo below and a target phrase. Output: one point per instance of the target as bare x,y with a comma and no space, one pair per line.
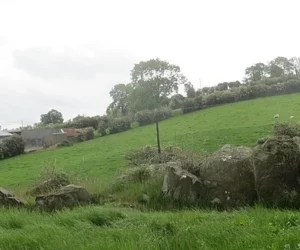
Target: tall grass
107,228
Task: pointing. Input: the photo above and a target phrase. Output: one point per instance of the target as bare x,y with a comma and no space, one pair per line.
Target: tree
255,72
274,70
222,86
156,80
121,97
235,84
190,90
207,90
53,116
176,101
295,61
281,66
159,78
285,64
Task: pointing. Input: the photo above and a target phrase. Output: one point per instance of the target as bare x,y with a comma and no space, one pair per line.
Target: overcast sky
67,54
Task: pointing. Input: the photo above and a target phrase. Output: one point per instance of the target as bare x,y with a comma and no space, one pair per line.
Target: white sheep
276,116
292,117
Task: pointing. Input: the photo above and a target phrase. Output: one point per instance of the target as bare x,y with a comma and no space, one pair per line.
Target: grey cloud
46,64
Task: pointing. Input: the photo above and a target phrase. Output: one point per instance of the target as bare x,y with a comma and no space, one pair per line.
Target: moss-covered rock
277,172
228,177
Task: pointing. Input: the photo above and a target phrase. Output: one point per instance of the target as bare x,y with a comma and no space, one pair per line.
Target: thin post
158,139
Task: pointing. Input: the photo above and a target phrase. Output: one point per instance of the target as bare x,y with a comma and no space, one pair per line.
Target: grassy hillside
109,227
239,123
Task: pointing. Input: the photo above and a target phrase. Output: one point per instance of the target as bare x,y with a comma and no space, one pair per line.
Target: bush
176,101
162,114
189,105
149,155
12,146
85,121
118,125
85,134
50,179
288,129
144,117
103,125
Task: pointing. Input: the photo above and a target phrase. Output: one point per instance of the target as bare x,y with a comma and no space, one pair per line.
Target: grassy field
239,123
97,161
110,228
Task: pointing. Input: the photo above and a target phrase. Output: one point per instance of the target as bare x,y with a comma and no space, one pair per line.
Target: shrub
84,122
50,179
189,105
120,124
176,101
288,129
162,114
137,174
211,99
144,117
149,155
12,146
103,125
85,134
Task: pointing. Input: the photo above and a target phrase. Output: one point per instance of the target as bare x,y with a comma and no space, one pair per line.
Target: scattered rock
7,199
228,177
276,167
180,185
67,197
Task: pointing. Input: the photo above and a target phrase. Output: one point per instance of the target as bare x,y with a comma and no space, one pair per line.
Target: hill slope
239,123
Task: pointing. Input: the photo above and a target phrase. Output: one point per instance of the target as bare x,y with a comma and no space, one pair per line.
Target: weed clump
288,129
50,179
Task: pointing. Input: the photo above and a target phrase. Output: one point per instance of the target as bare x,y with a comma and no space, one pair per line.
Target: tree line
152,94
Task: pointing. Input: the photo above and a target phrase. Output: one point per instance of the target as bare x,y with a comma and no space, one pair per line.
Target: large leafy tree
52,117
255,72
295,61
121,99
190,90
281,66
153,81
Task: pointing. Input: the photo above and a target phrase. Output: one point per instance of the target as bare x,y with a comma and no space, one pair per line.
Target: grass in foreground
103,228
239,123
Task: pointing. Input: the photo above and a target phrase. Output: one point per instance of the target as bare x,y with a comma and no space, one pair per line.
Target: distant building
42,138
15,131
4,134
72,133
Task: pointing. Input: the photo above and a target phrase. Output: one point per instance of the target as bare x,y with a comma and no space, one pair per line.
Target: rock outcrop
7,199
49,185
180,185
228,177
67,197
277,172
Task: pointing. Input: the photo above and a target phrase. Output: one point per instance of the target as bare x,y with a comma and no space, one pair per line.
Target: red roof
70,131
